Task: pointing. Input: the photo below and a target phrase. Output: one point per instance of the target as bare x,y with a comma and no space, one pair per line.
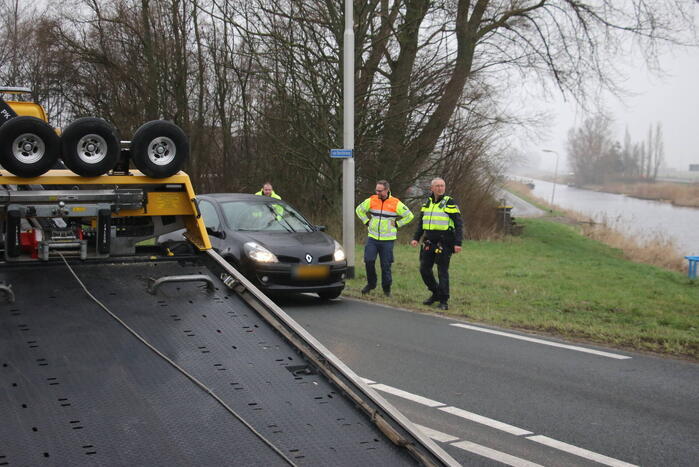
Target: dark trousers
384,249
428,258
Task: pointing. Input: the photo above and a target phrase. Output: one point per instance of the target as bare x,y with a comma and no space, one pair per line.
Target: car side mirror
216,233
320,228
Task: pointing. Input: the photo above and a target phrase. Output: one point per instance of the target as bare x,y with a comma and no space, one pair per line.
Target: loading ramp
79,388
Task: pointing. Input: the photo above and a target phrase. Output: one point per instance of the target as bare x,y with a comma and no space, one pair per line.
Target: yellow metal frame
169,203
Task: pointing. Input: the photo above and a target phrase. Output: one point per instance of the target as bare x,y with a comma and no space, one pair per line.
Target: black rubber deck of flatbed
76,388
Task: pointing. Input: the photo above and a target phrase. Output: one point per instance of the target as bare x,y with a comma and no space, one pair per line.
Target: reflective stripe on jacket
384,217
435,216
273,195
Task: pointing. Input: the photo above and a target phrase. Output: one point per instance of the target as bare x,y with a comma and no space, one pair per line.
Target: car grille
287,259
292,259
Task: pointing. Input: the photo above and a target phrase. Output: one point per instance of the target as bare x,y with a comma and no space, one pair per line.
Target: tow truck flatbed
79,388
117,354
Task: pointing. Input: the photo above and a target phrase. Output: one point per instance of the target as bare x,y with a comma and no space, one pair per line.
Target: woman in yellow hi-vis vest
440,223
383,214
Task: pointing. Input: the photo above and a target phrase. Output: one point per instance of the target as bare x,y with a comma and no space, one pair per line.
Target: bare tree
420,61
588,149
655,152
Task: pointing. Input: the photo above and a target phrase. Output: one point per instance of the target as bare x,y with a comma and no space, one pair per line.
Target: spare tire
159,149
28,146
90,146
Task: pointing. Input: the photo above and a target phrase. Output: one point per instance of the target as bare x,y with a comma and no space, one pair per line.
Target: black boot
443,306
431,300
387,291
367,289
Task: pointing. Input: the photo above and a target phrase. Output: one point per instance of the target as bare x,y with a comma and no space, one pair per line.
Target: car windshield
264,216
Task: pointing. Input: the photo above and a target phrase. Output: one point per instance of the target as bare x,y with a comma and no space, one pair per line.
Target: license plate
311,272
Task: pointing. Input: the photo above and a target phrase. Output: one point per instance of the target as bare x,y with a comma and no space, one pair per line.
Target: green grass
554,280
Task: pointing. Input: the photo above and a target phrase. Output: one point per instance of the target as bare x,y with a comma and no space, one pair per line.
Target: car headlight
257,252
339,254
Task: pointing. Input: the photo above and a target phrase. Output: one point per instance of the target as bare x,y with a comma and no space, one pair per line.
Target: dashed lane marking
513,430
494,455
475,448
407,395
580,452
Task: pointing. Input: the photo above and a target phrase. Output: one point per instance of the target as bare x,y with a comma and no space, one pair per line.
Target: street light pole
348,139
555,175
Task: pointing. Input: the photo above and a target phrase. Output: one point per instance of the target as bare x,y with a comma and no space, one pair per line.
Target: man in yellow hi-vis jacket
383,214
267,190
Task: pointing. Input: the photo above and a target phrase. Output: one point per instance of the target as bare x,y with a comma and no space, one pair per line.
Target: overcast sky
672,100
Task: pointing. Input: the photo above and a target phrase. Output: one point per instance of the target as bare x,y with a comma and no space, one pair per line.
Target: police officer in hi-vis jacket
441,229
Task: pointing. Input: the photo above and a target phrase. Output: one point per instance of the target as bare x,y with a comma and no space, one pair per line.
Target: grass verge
554,280
657,251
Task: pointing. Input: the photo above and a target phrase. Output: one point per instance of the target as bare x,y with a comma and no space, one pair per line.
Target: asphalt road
520,207
493,399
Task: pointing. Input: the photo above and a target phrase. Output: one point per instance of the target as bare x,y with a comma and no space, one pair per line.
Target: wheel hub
92,149
28,148
162,151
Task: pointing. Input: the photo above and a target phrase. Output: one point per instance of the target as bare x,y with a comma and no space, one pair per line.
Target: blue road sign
341,153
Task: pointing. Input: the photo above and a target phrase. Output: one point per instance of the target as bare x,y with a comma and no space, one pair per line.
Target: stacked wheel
159,149
90,147
28,146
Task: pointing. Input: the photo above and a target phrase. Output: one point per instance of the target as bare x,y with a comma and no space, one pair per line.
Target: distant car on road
273,245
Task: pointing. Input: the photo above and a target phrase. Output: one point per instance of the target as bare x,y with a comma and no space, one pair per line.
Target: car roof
234,197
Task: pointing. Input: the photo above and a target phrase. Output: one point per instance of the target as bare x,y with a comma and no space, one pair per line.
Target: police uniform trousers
428,258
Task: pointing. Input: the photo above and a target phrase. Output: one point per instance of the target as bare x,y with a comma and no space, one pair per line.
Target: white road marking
488,452
475,448
436,435
368,381
407,395
485,421
561,446
541,341
493,454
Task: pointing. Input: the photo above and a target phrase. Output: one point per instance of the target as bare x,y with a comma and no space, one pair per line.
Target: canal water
635,217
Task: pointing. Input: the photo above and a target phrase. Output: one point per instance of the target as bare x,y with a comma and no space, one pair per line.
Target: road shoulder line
541,341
